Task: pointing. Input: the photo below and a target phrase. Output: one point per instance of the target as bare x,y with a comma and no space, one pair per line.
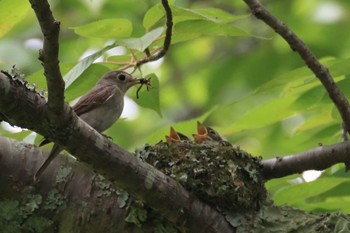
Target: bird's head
120,78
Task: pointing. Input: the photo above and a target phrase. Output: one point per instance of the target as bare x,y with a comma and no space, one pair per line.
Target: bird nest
215,172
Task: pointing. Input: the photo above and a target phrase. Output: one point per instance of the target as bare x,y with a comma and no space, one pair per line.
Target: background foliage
224,67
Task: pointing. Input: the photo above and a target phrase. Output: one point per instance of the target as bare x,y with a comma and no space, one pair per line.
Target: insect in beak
143,81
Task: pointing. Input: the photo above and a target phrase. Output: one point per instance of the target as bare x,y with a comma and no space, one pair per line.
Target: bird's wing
95,97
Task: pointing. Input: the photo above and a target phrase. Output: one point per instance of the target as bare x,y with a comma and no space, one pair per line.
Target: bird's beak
138,80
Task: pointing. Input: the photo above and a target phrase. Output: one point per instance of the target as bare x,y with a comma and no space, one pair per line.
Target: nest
215,172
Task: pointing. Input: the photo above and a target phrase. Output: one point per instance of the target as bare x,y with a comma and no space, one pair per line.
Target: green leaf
86,81
217,15
209,28
143,42
327,134
12,12
264,115
298,76
304,76
105,28
339,67
150,98
296,92
209,14
310,97
79,68
317,118
177,38
322,193
248,113
152,16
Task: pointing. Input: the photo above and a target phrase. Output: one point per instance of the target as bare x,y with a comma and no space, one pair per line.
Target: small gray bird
100,107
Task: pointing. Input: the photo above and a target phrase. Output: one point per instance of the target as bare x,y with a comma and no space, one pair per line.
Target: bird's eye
121,77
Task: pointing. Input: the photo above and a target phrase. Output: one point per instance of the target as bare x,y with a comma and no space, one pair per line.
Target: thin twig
167,40
49,56
297,45
344,133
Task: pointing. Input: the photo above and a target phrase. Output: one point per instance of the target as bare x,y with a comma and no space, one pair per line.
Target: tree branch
73,184
25,108
77,189
308,57
49,57
318,158
167,40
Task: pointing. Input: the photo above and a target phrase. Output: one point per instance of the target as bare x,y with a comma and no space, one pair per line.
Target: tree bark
70,197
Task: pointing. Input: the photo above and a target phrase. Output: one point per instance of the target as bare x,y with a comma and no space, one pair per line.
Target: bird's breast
104,116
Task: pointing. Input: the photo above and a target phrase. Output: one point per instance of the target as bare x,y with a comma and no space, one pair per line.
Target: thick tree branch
77,190
308,57
167,40
49,57
25,108
318,158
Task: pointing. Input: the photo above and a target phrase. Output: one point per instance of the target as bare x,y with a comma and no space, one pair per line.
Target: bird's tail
56,149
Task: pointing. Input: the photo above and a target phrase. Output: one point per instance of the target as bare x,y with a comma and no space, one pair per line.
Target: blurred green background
224,68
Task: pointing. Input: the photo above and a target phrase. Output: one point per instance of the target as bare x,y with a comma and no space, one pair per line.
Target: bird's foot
108,137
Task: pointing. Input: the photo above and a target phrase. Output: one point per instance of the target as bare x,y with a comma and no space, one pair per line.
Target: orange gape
202,133
173,137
